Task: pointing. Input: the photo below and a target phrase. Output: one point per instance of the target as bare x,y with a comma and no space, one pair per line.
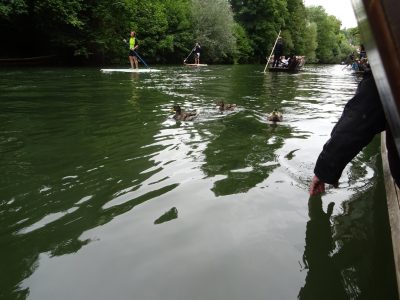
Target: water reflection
323,280
348,255
241,153
167,216
72,175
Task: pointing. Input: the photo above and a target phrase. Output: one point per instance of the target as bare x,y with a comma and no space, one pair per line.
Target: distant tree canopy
229,31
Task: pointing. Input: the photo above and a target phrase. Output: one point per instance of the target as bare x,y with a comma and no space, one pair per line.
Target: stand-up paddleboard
196,65
130,70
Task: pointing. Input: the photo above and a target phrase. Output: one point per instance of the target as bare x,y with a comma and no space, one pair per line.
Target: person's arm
362,118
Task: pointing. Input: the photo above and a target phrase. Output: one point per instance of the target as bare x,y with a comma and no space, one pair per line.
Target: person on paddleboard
197,50
133,45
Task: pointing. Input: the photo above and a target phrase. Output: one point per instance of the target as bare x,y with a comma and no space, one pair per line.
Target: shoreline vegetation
78,32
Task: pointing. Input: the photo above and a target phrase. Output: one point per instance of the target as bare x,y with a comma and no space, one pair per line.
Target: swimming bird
275,116
183,116
225,106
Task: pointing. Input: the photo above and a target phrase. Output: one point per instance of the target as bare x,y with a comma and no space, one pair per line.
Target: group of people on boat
288,62
280,61
359,61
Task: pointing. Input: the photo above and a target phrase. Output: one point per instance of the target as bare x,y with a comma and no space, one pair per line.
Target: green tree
328,28
310,42
352,35
262,20
164,29
243,50
38,22
178,37
295,26
213,28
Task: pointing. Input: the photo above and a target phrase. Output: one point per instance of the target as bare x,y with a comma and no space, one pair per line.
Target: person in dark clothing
278,51
350,59
363,53
197,50
362,118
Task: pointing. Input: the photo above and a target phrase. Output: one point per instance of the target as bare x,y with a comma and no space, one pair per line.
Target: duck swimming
183,116
275,116
225,106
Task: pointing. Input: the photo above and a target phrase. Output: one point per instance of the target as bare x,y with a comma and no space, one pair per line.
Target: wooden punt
292,68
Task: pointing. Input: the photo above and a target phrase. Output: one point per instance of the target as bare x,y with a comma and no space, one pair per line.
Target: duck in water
183,116
275,116
225,106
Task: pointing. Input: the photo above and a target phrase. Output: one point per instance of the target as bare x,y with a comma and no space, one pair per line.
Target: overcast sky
341,9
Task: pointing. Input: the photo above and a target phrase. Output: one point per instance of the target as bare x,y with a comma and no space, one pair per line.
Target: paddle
272,52
141,59
184,61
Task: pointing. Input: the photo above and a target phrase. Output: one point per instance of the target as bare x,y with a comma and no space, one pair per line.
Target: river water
104,196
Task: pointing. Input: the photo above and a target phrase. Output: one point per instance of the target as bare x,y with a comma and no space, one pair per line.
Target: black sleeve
361,120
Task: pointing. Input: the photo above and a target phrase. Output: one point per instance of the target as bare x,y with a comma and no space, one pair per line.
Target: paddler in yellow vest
133,45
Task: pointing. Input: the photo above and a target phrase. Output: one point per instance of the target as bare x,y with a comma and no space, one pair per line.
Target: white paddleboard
130,70
196,65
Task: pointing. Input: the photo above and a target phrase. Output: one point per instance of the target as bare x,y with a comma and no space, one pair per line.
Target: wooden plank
393,203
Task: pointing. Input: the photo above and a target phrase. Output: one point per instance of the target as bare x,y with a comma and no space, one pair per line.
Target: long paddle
184,61
141,59
266,66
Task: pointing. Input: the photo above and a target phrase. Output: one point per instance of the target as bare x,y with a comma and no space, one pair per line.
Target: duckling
275,116
225,106
183,116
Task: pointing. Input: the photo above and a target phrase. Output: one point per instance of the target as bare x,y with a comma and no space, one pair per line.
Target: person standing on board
363,53
362,118
278,51
197,50
133,45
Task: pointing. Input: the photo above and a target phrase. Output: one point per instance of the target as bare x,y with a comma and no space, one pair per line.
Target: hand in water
317,186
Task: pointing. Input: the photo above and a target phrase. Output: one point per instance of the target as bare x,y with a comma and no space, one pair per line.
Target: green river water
104,196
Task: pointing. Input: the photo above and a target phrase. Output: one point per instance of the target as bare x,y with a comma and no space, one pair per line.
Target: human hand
317,186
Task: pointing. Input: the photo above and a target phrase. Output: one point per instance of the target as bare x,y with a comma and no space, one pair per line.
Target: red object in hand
317,186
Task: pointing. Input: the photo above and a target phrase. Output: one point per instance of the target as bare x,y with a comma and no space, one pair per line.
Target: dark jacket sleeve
361,120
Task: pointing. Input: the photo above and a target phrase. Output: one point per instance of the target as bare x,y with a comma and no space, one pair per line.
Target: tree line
234,31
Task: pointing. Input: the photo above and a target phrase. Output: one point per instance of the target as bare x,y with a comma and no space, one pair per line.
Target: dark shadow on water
242,152
349,255
323,280
167,216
